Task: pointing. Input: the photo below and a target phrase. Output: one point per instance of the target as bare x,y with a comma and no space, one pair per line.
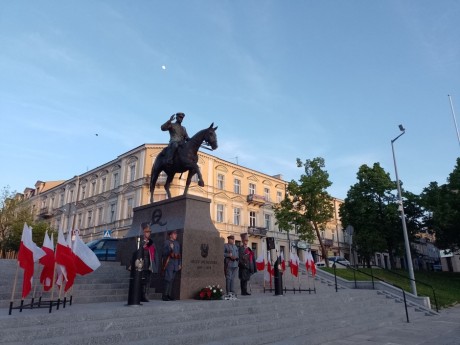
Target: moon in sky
163,67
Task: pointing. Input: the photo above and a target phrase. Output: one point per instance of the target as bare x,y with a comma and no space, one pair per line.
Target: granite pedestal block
201,245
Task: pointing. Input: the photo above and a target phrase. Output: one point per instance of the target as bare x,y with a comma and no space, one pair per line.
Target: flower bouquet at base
210,292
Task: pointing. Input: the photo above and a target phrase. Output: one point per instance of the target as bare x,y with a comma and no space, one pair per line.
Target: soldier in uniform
230,263
178,135
172,263
150,264
247,264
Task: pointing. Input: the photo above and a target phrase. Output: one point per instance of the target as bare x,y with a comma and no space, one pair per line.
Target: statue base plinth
201,244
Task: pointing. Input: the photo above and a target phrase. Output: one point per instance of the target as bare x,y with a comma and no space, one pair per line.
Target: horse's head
210,136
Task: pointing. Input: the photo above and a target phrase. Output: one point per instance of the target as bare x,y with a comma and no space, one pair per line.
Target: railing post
335,277
405,305
354,276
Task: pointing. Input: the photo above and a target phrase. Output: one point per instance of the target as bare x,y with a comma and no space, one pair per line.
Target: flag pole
14,288
455,120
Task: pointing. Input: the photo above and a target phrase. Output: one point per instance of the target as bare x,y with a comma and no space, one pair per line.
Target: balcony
255,199
328,242
45,213
257,231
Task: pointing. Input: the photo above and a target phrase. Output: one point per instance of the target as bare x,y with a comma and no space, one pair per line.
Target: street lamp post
403,219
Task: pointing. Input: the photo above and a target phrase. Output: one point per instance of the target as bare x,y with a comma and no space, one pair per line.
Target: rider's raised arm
167,125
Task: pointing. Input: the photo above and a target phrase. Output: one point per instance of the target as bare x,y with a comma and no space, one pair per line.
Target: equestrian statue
181,154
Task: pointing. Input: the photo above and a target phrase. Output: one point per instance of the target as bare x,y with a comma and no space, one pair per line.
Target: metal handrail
372,276
415,280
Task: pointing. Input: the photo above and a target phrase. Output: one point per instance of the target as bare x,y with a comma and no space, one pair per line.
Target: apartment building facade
242,199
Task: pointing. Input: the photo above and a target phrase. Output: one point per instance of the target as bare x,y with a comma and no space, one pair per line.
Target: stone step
110,282
198,315
192,317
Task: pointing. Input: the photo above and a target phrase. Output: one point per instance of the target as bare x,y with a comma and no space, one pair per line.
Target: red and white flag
294,264
46,277
260,263
28,254
65,261
268,273
310,264
283,262
85,259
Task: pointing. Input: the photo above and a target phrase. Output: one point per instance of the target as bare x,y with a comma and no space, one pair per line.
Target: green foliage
13,214
443,204
307,206
372,209
445,284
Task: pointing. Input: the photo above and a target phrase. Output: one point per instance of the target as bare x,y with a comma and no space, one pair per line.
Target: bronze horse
185,159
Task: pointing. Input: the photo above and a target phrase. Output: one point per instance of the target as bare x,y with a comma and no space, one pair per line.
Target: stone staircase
305,318
256,319
109,283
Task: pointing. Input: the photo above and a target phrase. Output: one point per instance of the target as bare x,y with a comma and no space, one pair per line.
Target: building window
237,186
220,213
99,215
252,219
80,218
236,216
267,221
279,197
252,189
267,194
93,188
116,179
254,249
89,221
113,209
103,184
52,203
83,192
129,206
220,181
61,199
71,196
132,173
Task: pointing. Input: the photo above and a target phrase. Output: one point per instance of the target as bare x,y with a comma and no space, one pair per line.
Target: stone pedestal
201,244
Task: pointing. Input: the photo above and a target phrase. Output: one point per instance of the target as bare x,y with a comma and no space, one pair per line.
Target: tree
443,204
307,205
13,214
372,209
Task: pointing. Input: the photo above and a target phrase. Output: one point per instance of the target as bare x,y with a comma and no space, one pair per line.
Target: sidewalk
440,330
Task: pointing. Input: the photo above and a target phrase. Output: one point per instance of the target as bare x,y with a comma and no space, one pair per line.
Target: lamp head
401,128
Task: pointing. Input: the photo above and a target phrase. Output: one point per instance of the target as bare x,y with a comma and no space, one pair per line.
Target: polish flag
260,263
65,261
270,270
294,264
283,263
48,262
85,259
28,254
310,264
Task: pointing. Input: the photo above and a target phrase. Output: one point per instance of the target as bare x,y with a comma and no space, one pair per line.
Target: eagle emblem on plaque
204,250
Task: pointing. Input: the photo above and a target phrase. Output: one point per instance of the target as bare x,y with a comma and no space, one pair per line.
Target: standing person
231,257
178,135
149,261
247,264
172,263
